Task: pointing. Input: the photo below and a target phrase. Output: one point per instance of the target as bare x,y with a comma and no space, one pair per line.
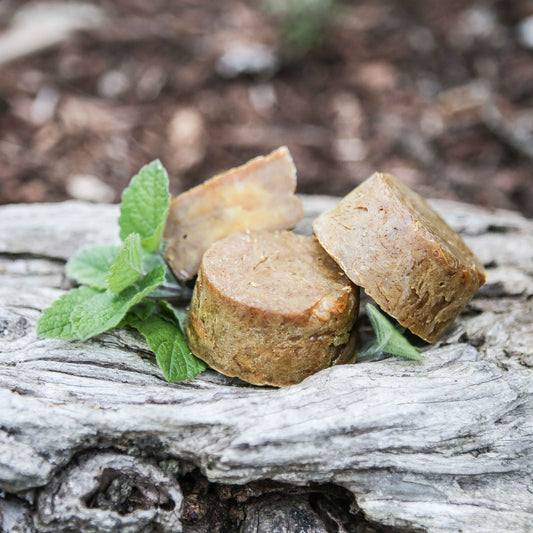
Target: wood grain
441,446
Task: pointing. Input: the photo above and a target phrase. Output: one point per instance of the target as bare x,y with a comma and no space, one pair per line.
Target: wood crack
416,447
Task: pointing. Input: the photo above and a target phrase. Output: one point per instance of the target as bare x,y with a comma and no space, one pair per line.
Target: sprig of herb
389,339
118,284
131,285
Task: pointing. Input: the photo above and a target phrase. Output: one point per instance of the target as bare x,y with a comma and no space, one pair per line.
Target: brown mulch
438,93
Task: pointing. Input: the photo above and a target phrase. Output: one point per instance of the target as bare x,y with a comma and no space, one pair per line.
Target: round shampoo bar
389,240
271,308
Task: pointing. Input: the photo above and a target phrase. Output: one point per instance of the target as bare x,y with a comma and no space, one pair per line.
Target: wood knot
111,493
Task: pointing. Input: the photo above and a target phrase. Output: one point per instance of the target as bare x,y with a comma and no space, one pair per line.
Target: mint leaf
90,266
171,288
169,312
127,268
151,260
389,339
171,351
144,206
143,309
104,311
55,323
138,312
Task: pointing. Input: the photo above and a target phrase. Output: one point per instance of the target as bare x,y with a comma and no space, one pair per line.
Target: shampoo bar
272,308
389,240
256,196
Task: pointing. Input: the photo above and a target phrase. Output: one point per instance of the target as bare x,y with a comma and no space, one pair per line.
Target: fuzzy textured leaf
104,311
90,266
144,206
151,259
389,339
139,311
169,312
127,268
171,351
55,322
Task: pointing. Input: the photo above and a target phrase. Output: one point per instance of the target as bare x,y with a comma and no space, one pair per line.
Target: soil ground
438,93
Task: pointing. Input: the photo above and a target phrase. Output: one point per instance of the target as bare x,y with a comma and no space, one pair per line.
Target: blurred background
438,93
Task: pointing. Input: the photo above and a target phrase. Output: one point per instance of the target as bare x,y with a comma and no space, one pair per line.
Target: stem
170,292
179,298
170,299
177,289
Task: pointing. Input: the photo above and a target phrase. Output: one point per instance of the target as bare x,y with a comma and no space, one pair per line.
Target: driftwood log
93,439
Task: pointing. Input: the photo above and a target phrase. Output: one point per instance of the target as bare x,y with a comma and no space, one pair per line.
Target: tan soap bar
271,308
389,240
256,196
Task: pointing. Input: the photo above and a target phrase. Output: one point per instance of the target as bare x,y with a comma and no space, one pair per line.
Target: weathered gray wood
444,445
109,479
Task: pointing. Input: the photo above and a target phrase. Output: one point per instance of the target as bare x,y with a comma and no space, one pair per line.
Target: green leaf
138,312
90,266
144,207
127,268
177,316
171,288
171,351
389,339
151,259
104,311
55,323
